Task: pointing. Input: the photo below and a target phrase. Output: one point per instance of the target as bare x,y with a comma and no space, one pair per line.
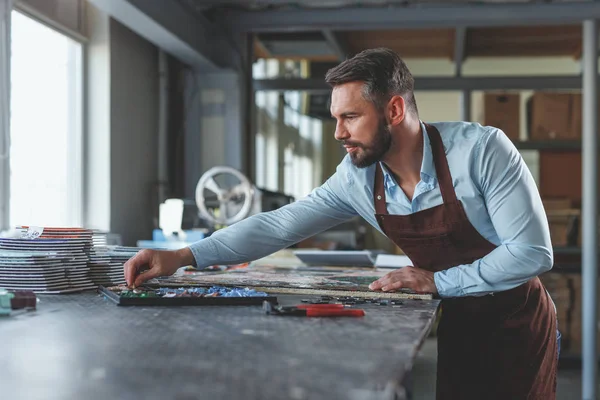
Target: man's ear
396,110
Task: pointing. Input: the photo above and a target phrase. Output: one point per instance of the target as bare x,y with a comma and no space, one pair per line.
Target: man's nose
341,133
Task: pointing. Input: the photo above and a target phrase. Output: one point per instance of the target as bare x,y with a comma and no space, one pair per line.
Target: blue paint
222,291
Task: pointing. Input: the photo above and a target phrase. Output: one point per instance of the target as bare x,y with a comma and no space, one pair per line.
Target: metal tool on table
313,310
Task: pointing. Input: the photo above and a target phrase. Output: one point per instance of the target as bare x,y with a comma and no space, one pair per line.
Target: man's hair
384,75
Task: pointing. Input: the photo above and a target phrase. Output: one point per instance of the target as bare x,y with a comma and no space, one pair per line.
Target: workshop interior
130,126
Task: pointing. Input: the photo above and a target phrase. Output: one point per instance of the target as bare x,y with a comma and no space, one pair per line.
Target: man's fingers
387,280
149,274
381,282
392,286
134,264
376,284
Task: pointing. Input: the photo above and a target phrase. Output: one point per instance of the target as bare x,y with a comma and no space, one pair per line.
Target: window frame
6,8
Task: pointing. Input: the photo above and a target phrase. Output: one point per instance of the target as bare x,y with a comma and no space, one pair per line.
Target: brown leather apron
499,346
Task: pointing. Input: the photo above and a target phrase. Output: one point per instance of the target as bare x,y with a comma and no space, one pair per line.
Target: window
288,154
46,126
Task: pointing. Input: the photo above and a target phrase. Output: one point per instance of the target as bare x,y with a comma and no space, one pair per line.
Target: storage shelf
568,259
548,145
569,250
569,360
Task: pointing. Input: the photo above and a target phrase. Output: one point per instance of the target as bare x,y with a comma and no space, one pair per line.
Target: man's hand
414,278
149,264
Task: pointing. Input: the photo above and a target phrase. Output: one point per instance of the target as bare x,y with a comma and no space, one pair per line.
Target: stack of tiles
46,260
106,263
101,272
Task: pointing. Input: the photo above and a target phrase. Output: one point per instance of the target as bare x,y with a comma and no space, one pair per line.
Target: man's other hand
413,278
148,264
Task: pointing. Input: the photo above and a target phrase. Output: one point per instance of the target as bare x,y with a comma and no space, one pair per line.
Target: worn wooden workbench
83,346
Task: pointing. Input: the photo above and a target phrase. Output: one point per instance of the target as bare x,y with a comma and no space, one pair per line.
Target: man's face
360,126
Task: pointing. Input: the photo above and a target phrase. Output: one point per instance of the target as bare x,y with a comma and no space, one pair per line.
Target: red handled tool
313,310
317,306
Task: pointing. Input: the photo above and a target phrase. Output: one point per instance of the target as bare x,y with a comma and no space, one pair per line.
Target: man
456,197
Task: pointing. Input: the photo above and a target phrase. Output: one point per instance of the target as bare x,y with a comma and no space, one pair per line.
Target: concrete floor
424,372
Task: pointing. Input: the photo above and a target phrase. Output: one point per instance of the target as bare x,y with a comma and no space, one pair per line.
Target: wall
97,170
122,130
134,133
214,125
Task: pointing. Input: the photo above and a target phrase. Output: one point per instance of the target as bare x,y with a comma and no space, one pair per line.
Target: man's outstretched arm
254,237
265,233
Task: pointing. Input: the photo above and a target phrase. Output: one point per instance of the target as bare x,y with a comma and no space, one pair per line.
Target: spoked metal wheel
224,196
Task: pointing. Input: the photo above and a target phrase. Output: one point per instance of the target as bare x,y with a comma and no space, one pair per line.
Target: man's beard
367,156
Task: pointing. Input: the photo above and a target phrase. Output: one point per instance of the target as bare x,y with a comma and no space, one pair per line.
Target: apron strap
441,165
441,168
379,191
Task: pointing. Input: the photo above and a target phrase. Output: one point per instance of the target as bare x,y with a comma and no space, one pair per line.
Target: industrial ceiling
330,45
324,32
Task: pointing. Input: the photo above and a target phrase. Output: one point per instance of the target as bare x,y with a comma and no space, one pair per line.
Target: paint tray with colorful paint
185,296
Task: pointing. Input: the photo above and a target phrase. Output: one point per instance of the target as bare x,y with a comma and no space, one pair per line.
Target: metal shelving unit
461,16
558,145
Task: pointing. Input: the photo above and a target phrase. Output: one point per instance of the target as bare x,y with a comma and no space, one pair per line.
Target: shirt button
378,197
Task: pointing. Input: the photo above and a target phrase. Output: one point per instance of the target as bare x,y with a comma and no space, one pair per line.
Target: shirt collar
427,166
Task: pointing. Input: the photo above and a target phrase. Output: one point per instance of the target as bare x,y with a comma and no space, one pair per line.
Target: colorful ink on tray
214,291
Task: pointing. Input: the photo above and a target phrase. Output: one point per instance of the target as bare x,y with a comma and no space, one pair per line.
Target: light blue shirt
489,176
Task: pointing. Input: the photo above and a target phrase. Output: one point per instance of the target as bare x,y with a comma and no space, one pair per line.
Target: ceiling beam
336,43
438,83
410,16
460,39
175,30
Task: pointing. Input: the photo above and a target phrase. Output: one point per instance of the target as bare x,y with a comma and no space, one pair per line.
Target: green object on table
132,294
5,302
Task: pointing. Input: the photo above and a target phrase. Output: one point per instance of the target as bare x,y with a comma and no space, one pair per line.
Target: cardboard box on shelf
554,115
556,203
577,117
565,291
563,220
503,110
561,189
560,175
559,288
574,323
576,110
564,226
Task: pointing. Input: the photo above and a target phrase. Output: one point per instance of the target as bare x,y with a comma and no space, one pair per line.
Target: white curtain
5,14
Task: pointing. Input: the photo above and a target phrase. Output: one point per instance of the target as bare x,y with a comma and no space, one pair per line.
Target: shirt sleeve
268,232
517,214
